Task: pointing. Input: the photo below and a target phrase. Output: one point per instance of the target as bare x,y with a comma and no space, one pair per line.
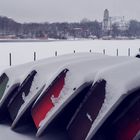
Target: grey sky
67,10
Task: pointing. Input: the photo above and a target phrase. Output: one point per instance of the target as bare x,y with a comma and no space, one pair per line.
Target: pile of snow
79,73
120,80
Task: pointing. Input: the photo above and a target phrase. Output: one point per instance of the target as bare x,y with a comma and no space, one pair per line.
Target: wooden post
117,52
129,52
34,56
55,53
103,51
10,59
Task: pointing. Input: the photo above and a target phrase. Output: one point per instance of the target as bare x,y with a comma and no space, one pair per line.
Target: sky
67,10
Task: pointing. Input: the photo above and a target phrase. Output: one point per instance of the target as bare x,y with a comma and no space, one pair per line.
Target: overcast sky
67,10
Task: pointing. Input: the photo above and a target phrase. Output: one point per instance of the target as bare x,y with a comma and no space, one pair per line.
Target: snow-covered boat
10,81
111,109
32,86
79,73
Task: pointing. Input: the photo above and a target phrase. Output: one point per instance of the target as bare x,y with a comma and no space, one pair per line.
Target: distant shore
53,40
27,40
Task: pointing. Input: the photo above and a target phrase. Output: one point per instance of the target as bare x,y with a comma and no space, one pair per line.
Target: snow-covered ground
23,51
28,133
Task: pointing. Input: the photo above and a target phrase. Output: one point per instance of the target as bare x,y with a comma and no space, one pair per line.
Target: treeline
83,29
133,30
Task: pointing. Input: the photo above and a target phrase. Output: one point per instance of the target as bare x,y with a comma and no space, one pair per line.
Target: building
106,21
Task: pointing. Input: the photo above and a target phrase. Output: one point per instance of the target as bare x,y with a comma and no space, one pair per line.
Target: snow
28,133
7,134
47,49
17,74
22,52
79,73
137,136
120,80
46,70
89,117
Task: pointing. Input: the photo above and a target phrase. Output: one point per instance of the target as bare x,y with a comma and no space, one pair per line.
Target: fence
56,54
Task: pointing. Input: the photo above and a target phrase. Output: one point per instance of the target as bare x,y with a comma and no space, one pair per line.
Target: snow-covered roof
80,72
120,80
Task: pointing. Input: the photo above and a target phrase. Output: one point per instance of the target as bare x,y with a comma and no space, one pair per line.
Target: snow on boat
124,121
34,84
122,109
10,80
78,74
49,100
87,112
118,87
17,100
16,74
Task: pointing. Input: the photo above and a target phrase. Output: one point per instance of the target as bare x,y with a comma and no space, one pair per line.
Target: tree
115,31
134,28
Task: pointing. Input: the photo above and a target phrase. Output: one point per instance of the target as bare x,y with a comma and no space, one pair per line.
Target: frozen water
23,51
